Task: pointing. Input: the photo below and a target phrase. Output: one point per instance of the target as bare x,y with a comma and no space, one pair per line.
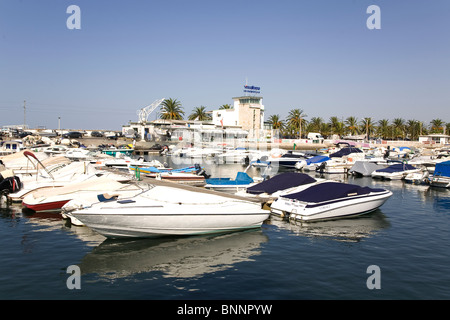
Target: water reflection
348,230
184,257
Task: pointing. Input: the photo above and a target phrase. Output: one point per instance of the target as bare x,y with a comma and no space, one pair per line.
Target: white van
315,137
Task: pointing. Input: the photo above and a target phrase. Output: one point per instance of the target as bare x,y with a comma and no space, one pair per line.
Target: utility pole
24,114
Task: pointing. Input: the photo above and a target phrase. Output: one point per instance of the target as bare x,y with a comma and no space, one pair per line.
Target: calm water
408,239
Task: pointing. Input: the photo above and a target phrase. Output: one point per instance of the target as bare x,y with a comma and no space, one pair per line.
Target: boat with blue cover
329,200
396,171
441,176
283,183
242,181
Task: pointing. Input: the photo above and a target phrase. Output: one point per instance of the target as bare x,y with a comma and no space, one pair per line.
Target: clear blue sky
316,55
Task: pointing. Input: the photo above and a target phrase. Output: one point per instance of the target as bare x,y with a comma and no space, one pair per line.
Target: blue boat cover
330,191
317,159
156,170
397,168
442,169
280,182
242,178
345,152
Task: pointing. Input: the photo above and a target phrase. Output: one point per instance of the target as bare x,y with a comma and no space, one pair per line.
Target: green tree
412,128
352,125
199,113
336,126
296,119
315,125
437,126
275,121
367,126
398,125
171,110
225,106
384,129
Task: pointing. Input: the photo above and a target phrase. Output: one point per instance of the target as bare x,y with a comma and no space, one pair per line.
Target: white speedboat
283,183
329,200
70,173
395,172
86,191
163,211
365,168
441,176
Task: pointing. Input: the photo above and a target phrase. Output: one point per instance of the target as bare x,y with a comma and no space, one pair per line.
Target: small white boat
364,168
192,175
441,176
283,183
126,162
10,147
86,191
241,182
311,163
329,200
396,171
419,177
163,211
70,173
236,155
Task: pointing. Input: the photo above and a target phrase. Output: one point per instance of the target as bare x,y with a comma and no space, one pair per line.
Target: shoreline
144,145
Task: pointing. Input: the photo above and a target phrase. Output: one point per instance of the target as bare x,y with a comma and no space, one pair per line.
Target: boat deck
157,182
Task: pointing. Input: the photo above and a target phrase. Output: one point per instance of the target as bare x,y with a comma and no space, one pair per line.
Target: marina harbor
192,215
88,185
224,158
221,185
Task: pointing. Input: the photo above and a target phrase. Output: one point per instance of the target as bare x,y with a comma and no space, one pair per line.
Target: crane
146,111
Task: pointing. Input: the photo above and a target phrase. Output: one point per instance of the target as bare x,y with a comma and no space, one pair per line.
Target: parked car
97,134
72,134
24,134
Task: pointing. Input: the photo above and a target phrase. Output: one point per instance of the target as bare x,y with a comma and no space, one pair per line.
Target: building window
249,101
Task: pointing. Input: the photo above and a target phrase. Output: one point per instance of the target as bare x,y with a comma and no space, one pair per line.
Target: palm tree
352,125
295,119
275,121
200,114
315,125
383,128
399,127
367,126
171,110
437,125
336,126
412,128
225,106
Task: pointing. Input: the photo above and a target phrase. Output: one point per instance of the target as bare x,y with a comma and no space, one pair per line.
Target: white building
434,138
247,114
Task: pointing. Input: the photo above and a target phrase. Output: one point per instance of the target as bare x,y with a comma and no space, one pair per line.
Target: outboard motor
200,171
321,167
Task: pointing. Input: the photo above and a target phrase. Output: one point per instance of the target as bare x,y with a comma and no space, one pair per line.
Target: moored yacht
163,211
329,200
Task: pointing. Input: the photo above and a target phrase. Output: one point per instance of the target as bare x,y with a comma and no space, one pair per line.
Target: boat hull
143,219
329,210
46,206
440,181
